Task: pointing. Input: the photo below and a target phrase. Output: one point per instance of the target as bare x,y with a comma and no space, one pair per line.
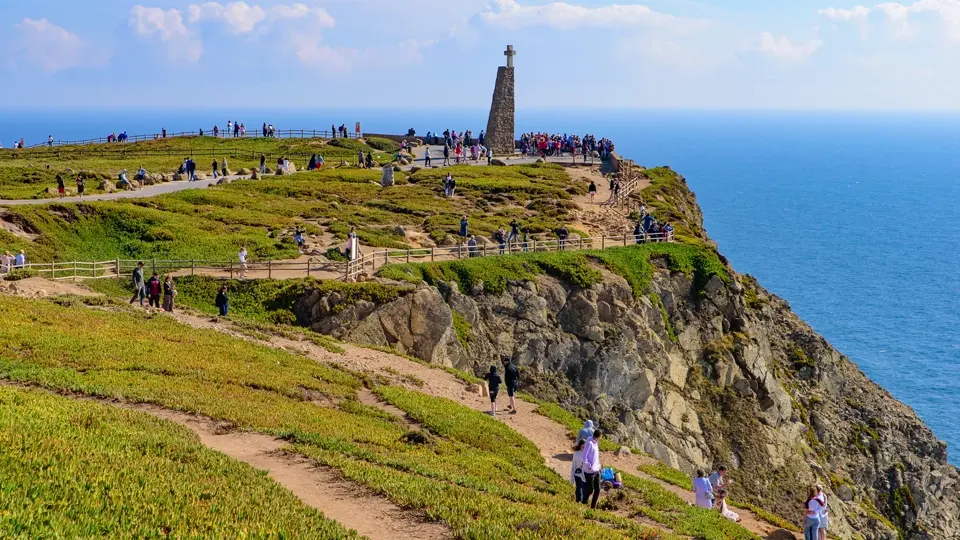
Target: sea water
853,218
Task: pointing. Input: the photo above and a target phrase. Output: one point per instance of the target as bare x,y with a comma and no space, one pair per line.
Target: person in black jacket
222,302
512,378
493,384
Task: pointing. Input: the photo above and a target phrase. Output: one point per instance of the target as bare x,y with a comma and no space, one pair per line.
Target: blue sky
443,53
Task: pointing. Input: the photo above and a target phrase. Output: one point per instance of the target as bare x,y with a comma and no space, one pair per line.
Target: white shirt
814,508
823,510
243,255
577,464
704,492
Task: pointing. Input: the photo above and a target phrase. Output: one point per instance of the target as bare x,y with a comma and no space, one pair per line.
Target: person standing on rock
169,291
703,490
512,378
824,521
222,301
811,515
577,478
592,468
514,233
153,290
493,385
139,286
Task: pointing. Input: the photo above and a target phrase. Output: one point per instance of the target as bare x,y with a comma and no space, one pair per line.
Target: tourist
49,140
719,480
236,130
192,170
333,131
587,431
163,133
153,290
512,378
229,126
124,182
721,506
472,246
264,129
223,167
215,166
464,227
577,478
702,490
562,235
80,185
526,239
591,468
489,156
446,155
169,291
242,255
216,131
222,301
263,164
426,157
501,238
279,164
452,187
493,384
824,521
811,515
320,161
61,189
482,136
458,152
592,190
360,160
638,235
5,260
298,239
312,164
141,174
20,261
514,232
139,286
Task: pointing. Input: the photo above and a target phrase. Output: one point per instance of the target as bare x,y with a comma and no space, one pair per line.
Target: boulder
166,177
157,178
108,186
200,176
623,451
400,231
255,175
497,162
387,179
243,172
223,180
177,177
541,160
279,172
291,168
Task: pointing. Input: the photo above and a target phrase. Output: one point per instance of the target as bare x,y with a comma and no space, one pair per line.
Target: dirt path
551,438
322,488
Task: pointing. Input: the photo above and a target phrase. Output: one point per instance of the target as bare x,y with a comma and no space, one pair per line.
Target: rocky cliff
695,369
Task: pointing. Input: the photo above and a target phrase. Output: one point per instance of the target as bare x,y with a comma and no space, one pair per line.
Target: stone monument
500,127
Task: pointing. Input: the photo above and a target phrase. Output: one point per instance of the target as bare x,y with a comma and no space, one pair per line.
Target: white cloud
52,48
782,47
563,16
167,25
312,52
242,18
897,16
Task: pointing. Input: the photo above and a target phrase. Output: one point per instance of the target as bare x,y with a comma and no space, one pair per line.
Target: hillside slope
678,355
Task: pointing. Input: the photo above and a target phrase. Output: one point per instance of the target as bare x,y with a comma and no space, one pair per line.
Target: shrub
384,145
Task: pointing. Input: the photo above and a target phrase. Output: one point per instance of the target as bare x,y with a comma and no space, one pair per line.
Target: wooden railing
223,134
370,262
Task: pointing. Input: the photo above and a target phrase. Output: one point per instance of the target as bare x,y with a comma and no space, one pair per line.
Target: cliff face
696,372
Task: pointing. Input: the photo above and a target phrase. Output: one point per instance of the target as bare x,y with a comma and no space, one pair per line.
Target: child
493,384
577,478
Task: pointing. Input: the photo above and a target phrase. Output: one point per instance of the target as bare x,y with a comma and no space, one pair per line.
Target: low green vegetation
668,474
577,268
77,469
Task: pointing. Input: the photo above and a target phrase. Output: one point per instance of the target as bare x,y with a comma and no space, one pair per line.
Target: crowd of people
9,262
544,145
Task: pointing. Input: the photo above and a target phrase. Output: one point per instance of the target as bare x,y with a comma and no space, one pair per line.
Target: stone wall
500,127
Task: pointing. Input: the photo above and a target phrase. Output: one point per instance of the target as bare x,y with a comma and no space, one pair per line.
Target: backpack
607,474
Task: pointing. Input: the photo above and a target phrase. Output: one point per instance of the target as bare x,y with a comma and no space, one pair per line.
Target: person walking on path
512,378
464,228
446,155
61,189
587,431
215,168
824,520
577,478
169,291
426,157
811,515
80,185
153,290
222,301
592,190
242,255
591,468
139,286
493,385
360,161
703,490
192,170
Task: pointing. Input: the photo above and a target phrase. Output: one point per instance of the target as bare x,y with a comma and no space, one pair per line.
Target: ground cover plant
463,467
83,470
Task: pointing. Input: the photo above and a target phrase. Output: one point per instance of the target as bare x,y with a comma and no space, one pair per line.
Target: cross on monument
510,53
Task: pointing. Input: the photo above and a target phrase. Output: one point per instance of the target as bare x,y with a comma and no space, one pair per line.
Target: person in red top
153,290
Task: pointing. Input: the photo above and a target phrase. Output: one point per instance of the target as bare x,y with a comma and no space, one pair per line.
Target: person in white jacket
703,490
577,478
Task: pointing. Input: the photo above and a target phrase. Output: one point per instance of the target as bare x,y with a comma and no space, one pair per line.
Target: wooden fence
251,134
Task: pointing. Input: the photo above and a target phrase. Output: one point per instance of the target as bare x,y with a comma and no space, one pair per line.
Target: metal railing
222,134
378,259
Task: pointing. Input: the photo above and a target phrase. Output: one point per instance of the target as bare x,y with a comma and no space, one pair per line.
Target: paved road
436,155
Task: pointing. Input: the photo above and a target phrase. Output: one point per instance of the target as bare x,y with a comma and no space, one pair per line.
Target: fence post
118,267
53,270
431,255
231,269
269,269
603,242
534,246
308,267
74,270
193,266
408,256
154,265
624,239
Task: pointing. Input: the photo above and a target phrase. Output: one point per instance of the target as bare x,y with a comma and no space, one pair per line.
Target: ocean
853,218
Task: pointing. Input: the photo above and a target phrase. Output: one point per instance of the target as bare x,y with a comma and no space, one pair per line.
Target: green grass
576,268
668,474
76,469
475,474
